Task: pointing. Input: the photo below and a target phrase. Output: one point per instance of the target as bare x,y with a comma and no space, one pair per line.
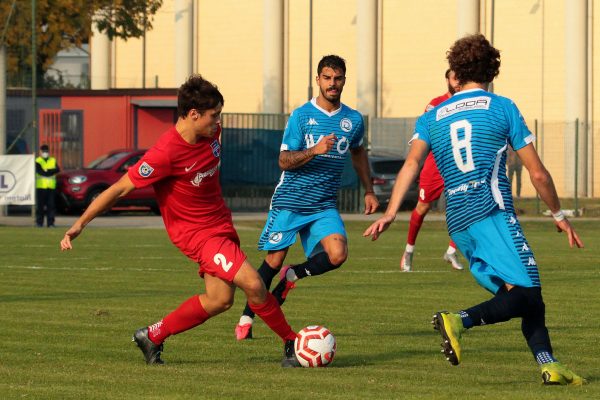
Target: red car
76,189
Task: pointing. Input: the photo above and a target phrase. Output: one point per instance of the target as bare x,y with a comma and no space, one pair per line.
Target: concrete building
263,55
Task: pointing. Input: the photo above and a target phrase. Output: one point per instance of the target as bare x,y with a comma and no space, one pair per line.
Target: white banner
17,179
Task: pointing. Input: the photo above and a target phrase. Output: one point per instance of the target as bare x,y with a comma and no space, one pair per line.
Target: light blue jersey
314,186
469,135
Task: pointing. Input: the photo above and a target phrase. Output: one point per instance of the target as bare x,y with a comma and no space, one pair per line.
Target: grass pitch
66,321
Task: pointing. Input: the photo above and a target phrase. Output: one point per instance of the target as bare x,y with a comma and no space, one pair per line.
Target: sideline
153,221
143,220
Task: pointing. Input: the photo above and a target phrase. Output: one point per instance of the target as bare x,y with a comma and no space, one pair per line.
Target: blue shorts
498,253
282,226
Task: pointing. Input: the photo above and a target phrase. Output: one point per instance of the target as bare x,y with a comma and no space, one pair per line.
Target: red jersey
185,178
437,101
430,178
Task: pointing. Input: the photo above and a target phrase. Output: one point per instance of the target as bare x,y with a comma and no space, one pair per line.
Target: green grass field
66,322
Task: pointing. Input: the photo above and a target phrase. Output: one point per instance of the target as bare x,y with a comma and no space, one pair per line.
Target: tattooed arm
295,159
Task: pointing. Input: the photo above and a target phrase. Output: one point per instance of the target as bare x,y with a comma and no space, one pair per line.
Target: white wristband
558,216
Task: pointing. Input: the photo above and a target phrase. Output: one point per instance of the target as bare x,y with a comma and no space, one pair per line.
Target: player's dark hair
447,74
332,61
197,93
474,59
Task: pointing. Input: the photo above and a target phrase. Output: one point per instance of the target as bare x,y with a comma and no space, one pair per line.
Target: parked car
76,189
384,169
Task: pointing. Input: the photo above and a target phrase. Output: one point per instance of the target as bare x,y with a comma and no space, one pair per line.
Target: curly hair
474,59
199,94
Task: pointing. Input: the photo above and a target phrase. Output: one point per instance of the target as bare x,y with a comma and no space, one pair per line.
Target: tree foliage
61,24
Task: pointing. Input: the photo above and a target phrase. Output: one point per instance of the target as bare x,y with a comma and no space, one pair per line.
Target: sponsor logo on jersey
201,175
346,125
145,170
342,144
312,121
465,187
188,169
275,237
216,148
472,103
310,140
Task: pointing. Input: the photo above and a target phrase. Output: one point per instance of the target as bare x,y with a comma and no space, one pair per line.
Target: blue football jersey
469,135
314,186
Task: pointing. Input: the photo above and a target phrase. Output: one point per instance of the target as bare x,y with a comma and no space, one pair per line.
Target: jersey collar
469,91
313,101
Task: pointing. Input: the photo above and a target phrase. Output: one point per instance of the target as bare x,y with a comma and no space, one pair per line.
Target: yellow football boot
451,328
557,374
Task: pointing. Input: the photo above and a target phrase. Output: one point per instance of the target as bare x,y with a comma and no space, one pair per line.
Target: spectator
46,169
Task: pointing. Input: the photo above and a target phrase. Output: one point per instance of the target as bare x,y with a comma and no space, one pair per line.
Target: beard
334,98
451,89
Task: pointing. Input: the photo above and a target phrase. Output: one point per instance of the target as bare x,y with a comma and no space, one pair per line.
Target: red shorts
431,184
217,252
222,257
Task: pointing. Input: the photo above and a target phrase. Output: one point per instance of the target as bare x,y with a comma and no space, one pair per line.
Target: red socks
188,315
452,244
416,220
191,313
271,313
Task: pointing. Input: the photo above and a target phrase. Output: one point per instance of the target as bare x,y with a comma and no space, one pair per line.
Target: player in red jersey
183,167
431,186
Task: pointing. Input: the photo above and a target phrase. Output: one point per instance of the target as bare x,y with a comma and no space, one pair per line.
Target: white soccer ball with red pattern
315,346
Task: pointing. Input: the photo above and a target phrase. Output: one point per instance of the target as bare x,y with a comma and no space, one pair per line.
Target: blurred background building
263,54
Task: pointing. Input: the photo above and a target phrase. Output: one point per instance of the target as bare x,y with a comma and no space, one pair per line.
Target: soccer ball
315,346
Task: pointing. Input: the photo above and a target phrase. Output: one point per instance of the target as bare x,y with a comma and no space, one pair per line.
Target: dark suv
384,169
76,189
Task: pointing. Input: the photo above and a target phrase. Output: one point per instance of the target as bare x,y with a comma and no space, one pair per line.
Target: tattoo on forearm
295,159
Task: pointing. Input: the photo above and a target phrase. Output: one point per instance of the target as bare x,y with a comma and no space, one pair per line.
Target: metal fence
390,135
250,167
251,144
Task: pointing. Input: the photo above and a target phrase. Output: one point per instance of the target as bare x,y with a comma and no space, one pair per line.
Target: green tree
61,24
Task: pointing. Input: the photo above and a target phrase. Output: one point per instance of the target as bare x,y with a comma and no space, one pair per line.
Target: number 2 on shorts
220,259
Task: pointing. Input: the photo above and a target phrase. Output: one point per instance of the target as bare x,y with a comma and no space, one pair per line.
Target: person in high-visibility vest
46,169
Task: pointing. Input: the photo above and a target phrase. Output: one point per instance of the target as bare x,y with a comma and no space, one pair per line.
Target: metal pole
3,208
2,98
144,54
542,82
537,195
576,161
310,35
34,84
34,72
492,17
